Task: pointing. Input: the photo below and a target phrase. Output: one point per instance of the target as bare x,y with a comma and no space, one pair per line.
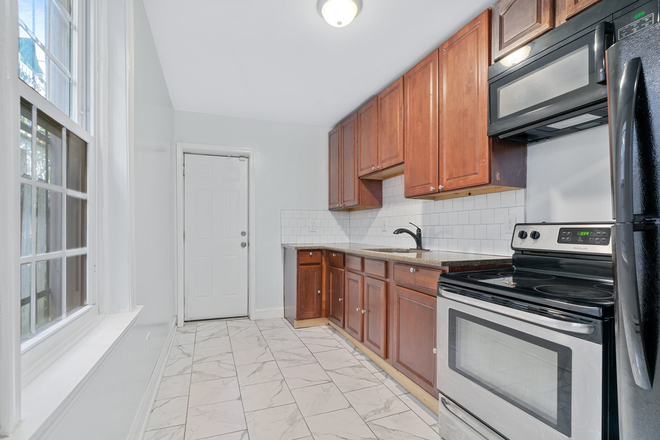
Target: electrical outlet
312,227
510,222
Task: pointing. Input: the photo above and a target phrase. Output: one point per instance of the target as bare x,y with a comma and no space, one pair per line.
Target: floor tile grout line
238,382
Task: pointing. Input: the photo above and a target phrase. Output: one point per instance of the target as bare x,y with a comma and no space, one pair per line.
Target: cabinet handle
341,299
362,311
412,270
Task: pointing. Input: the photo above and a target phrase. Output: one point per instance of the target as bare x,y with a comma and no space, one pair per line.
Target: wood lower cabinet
354,304
375,316
336,295
421,127
310,290
414,336
517,22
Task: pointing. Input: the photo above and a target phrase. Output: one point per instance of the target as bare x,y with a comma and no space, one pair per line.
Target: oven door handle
553,323
454,413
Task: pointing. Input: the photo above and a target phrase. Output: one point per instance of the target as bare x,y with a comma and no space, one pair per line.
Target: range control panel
573,238
595,236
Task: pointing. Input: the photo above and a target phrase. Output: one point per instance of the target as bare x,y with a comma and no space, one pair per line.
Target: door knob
243,244
243,233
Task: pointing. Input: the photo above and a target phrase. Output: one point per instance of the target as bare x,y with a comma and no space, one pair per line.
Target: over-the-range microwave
556,84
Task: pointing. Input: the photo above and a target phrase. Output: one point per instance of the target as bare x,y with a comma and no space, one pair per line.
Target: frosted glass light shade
339,13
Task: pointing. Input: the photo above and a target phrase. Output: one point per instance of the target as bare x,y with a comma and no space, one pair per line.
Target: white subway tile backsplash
472,224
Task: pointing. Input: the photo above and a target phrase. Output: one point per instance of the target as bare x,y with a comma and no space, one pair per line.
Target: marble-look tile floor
263,380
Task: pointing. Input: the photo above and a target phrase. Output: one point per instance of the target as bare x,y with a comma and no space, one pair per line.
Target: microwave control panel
636,20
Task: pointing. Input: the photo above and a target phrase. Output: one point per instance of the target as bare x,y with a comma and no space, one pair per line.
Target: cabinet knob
357,310
373,168
432,188
378,167
412,270
334,255
341,299
311,253
319,291
435,351
363,311
440,187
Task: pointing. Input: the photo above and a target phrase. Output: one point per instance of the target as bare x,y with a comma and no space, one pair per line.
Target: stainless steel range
527,353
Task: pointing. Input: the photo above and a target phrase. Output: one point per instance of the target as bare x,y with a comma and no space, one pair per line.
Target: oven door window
529,372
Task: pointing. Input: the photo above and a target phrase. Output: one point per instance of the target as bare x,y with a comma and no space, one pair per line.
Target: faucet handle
418,228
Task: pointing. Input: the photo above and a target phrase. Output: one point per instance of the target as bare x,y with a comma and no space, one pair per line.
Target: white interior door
216,227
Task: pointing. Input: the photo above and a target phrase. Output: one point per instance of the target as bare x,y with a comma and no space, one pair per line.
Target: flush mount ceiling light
339,13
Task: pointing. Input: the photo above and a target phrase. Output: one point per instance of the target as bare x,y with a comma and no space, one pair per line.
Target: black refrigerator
633,66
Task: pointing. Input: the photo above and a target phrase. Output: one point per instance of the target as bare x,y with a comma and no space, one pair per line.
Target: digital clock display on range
584,236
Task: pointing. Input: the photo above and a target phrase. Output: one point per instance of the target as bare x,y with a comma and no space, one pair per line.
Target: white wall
568,179
108,406
291,169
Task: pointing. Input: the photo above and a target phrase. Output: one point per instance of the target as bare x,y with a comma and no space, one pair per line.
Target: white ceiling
277,60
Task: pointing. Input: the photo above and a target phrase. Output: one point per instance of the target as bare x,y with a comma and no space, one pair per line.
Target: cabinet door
414,337
464,146
354,318
517,22
336,294
335,166
421,127
309,292
375,318
567,9
390,126
368,137
349,178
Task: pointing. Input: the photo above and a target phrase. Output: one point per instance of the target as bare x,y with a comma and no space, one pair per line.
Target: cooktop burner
575,292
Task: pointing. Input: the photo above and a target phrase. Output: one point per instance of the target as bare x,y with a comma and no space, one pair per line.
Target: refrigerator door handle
626,269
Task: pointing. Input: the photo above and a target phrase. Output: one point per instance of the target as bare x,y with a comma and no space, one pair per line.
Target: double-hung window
54,163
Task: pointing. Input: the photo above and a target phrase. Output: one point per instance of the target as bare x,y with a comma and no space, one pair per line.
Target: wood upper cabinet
310,289
464,145
368,138
517,22
349,132
375,317
414,336
335,169
421,127
354,304
390,126
336,295
566,9
347,190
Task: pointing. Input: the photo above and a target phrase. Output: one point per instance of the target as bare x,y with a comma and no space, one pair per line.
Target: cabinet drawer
336,259
377,268
309,257
354,263
420,277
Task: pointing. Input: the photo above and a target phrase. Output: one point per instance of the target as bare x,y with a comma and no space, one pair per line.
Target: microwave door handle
447,406
626,267
603,39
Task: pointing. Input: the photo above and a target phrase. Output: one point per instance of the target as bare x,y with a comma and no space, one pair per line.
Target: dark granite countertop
430,258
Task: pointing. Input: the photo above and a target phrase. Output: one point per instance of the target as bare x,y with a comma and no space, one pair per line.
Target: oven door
567,84
527,376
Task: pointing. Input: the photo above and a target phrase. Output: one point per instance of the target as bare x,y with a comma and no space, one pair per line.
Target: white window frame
40,350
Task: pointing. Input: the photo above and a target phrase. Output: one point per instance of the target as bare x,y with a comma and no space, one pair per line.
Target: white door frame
215,150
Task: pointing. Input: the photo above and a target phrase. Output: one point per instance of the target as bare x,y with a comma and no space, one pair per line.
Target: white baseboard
149,397
277,312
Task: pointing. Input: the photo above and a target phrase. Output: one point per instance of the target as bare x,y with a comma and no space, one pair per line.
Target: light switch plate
510,222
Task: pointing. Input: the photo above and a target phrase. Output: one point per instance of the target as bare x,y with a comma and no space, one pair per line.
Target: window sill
47,398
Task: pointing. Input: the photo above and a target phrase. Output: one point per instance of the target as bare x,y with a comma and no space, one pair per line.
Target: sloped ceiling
277,60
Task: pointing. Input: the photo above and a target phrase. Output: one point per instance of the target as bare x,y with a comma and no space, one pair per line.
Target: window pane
49,221
60,45
49,292
26,140
26,290
31,63
49,150
26,220
76,282
59,88
76,223
76,167
33,15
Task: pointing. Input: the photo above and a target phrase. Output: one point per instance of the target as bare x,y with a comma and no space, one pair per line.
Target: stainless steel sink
396,250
